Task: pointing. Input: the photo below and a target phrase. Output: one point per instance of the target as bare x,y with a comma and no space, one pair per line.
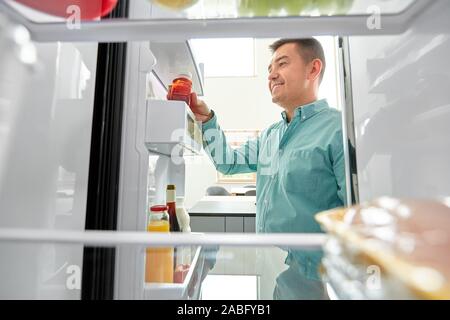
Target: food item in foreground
176,4
262,8
408,239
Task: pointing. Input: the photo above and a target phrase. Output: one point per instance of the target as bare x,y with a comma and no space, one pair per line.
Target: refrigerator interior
399,114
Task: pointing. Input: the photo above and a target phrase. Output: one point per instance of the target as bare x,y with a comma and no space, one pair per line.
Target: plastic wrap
388,249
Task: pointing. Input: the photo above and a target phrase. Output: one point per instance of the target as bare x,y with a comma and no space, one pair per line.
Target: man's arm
226,159
338,163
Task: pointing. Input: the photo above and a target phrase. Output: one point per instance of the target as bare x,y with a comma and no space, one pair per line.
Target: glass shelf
149,20
235,9
208,266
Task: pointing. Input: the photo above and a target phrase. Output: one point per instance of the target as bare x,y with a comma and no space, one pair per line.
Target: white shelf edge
310,241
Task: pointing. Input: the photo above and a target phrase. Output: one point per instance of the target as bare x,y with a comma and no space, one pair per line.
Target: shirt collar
308,110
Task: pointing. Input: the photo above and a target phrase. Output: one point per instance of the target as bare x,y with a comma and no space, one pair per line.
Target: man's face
288,77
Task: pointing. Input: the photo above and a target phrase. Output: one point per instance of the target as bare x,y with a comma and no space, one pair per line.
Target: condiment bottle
183,254
171,204
183,217
159,263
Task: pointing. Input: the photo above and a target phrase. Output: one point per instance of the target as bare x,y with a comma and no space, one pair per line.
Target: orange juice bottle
159,261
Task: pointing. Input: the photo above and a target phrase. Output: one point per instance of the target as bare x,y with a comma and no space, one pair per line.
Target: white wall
246,103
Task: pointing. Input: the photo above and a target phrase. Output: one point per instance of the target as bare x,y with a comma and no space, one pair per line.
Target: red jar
181,88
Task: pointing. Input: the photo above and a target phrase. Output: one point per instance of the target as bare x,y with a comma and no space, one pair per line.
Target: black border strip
104,166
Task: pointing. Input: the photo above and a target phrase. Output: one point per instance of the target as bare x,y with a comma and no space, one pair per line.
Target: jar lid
186,75
158,208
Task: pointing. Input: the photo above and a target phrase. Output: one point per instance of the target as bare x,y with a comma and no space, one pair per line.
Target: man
299,160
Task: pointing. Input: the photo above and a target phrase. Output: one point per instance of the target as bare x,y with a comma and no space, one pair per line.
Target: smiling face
290,79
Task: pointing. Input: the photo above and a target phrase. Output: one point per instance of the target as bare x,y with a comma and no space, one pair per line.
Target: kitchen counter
225,206
224,214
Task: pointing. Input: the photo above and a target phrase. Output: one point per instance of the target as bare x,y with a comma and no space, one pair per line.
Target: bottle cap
170,187
158,208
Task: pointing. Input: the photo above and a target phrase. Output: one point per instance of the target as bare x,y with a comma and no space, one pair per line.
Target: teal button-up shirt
300,171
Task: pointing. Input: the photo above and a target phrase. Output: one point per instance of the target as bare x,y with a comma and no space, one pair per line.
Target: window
233,57
235,139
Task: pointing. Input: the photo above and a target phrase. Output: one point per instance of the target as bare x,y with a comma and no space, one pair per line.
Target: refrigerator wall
401,105
45,136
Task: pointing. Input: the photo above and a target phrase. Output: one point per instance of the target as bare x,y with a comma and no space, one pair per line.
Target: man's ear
315,69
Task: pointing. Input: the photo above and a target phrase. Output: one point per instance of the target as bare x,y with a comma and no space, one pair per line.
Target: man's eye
282,64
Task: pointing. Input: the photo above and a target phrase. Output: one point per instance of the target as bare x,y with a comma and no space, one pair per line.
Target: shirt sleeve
338,163
226,159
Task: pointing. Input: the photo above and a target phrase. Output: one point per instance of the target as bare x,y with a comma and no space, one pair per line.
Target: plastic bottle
159,264
171,204
181,88
184,220
183,254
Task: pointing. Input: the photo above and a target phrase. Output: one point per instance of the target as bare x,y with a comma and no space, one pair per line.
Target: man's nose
272,75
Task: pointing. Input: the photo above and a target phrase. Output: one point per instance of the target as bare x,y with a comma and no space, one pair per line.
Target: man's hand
199,108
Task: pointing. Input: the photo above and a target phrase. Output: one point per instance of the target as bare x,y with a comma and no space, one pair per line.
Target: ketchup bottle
172,208
181,88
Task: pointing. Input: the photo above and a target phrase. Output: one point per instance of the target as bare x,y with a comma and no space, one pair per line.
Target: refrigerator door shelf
171,129
189,289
